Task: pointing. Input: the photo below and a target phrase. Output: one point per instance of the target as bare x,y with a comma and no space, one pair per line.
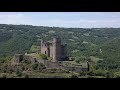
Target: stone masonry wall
49,64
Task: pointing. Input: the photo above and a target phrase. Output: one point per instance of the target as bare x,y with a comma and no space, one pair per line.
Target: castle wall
49,64
51,51
45,49
52,65
75,69
30,58
18,58
56,65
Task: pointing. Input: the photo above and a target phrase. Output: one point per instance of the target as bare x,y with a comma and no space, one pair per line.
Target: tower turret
56,49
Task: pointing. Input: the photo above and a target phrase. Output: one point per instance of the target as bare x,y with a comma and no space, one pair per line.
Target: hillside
100,43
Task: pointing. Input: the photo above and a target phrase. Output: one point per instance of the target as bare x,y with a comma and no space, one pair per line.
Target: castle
55,49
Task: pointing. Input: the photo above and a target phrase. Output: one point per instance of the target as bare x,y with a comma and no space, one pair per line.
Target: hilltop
100,45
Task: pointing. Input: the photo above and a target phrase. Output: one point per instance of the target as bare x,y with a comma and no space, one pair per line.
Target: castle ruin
55,49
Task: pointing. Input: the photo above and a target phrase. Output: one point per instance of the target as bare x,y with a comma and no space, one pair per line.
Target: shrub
35,66
74,76
43,56
3,75
117,74
77,61
26,76
26,61
50,58
18,73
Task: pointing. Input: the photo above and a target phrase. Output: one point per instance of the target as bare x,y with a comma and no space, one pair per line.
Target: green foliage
34,48
117,74
35,66
50,58
26,76
74,76
103,43
103,73
3,75
5,58
82,59
77,61
19,74
26,62
42,56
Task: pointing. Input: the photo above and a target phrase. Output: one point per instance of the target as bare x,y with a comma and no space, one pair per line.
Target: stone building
18,58
55,49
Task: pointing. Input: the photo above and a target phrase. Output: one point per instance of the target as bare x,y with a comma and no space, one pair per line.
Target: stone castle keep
55,50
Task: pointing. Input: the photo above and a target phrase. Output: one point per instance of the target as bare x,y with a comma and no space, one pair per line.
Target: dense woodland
101,45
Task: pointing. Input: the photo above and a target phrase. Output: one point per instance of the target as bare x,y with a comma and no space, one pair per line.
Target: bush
74,76
35,66
43,56
117,74
4,68
50,58
18,73
26,61
3,75
26,76
108,75
81,58
41,66
77,61
99,73
82,73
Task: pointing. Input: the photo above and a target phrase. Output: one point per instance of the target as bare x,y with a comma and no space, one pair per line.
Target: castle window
45,52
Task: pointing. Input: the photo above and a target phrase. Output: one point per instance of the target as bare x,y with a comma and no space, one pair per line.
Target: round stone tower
56,49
